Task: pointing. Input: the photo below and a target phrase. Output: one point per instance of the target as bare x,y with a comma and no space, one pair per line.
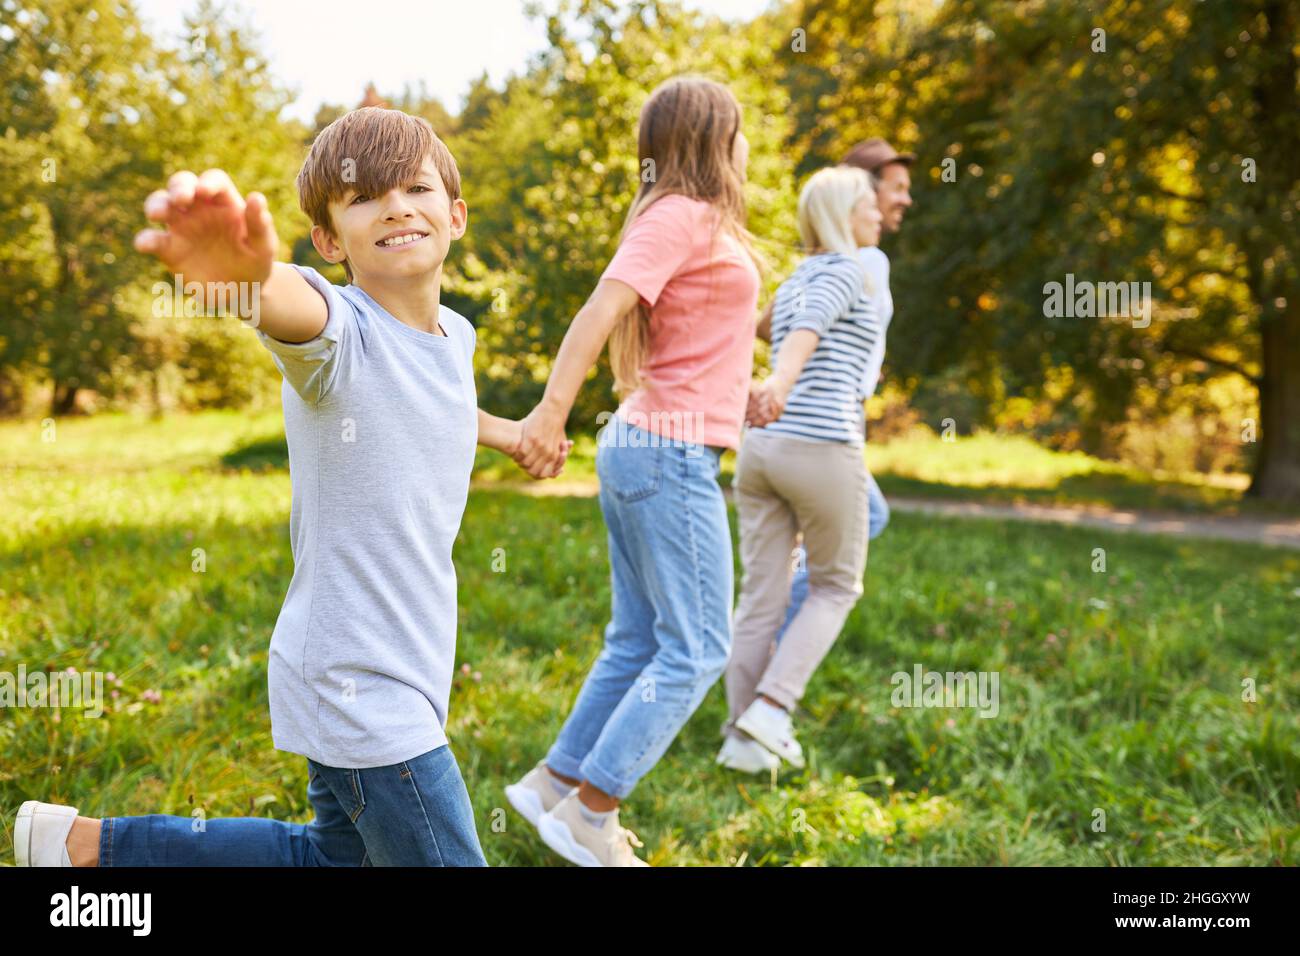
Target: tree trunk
11,393
1277,469
1269,244
64,400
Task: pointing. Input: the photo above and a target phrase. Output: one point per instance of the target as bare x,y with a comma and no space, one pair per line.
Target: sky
328,50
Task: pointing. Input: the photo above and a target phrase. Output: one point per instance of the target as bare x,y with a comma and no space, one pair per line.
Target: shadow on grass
1105,490
266,454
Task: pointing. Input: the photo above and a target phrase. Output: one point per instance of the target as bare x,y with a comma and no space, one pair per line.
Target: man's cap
874,153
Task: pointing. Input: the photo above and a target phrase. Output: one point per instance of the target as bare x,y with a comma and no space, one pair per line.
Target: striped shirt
828,295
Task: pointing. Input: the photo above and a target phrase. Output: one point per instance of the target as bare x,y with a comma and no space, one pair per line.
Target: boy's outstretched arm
215,235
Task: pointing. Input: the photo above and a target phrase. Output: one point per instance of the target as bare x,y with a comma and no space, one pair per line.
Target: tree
83,81
100,116
1110,141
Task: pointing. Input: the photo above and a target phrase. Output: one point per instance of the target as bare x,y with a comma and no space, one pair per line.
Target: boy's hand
212,234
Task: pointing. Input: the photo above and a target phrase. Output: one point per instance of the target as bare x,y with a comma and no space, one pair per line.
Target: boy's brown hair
370,150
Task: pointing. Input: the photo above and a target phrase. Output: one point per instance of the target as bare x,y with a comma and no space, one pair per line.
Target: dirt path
1282,532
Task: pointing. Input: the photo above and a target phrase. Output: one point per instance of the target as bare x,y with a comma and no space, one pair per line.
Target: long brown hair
687,132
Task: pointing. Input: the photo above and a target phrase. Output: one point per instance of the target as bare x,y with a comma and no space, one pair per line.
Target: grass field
1121,691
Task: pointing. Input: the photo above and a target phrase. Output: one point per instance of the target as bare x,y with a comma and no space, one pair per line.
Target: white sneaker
771,727
41,834
578,840
747,756
535,794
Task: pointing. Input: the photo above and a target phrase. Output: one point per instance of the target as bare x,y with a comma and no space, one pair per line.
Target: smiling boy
381,419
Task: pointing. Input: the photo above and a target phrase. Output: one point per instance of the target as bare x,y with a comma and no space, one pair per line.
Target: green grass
1120,691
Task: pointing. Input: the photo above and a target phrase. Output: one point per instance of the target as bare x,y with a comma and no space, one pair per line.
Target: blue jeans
413,813
878,517
669,632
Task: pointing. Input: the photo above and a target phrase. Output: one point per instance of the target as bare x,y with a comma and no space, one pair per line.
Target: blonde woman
801,468
677,303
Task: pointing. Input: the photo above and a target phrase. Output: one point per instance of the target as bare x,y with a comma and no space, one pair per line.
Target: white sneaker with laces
771,727
569,833
747,756
536,793
41,834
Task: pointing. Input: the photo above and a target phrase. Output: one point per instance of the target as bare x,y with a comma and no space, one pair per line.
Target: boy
381,418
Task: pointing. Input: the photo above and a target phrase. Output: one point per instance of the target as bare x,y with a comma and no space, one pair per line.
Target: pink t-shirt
702,290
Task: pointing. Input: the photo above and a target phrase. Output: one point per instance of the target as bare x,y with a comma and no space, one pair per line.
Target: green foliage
102,115
83,81
1126,163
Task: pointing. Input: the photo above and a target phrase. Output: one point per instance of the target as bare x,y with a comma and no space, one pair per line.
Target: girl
802,468
677,303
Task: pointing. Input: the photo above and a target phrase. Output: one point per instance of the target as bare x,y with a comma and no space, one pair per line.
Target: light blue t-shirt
382,423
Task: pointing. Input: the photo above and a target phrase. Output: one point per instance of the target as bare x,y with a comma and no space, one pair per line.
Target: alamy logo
1087,300
923,688
652,430
103,909
208,299
58,689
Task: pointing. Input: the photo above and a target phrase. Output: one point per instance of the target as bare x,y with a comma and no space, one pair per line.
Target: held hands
766,401
213,234
511,443
516,455
543,446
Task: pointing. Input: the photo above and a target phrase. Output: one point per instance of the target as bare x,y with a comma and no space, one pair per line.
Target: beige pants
784,486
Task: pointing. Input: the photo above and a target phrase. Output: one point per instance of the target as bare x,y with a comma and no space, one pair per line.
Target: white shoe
41,834
771,727
747,756
535,794
570,834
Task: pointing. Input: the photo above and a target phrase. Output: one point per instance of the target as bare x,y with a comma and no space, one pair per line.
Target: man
890,174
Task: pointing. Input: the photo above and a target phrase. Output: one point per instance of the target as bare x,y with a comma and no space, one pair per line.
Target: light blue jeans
413,813
878,517
669,632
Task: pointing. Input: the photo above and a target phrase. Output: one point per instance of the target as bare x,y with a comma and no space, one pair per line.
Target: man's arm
214,237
